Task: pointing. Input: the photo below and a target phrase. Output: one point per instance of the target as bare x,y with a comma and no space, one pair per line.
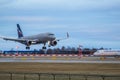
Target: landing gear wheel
44,47
49,46
27,47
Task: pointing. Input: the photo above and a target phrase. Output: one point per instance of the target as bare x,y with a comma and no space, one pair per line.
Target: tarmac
60,59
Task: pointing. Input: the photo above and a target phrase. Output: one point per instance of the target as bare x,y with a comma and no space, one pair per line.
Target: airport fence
54,76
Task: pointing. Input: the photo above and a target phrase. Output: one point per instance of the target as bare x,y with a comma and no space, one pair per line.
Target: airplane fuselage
40,38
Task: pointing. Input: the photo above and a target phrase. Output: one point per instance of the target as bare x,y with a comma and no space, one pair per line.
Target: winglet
67,35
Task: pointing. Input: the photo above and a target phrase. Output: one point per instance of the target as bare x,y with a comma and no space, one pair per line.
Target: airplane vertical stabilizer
20,33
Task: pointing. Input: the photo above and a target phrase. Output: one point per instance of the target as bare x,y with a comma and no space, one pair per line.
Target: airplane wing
12,39
67,36
24,41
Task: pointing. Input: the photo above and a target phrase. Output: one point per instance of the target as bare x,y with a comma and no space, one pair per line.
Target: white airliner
41,38
111,53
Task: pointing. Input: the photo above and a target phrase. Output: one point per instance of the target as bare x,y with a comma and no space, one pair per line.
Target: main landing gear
44,47
27,47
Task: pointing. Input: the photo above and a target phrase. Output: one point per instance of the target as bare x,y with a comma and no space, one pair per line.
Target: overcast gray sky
91,23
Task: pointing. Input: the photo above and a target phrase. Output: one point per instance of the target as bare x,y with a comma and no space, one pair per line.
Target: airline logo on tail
20,33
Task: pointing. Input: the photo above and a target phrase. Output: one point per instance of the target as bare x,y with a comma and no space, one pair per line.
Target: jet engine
28,43
53,43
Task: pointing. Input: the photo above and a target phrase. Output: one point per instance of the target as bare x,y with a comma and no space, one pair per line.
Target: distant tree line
70,50
62,50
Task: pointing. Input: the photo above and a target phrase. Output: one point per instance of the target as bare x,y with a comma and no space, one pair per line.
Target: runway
60,60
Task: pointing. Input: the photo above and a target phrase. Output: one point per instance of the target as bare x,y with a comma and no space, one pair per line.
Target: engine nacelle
28,43
53,43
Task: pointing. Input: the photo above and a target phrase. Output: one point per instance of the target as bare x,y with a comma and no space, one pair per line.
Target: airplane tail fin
20,33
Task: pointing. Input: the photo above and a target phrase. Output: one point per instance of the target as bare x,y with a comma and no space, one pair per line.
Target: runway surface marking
56,61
